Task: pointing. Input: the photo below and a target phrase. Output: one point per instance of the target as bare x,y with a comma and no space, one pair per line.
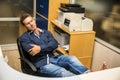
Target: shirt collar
37,28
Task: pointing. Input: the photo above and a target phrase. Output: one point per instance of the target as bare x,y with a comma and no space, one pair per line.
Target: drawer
42,7
41,22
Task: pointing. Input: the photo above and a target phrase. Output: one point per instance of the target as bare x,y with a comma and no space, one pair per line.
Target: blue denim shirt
45,40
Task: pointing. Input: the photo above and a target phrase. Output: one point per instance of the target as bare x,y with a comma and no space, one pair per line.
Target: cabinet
46,10
41,22
80,44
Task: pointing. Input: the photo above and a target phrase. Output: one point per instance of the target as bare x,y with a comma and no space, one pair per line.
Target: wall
103,54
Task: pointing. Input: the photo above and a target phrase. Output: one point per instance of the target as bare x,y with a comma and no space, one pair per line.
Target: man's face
29,23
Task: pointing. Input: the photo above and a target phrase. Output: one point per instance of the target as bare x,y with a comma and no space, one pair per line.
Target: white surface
8,73
109,74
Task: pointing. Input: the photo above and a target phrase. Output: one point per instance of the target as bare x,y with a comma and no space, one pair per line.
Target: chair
26,65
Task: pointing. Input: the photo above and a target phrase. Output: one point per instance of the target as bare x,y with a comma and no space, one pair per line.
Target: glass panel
13,8
8,32
106,17
10,9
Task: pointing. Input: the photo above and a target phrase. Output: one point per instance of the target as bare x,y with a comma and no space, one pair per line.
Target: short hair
23,17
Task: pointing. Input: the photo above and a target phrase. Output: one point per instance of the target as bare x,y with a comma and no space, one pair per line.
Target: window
106,17
10,10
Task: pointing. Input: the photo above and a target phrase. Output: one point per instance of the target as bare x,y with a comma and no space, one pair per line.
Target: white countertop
8,73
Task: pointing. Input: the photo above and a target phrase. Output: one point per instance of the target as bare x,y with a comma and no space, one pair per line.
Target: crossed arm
34,47
34,50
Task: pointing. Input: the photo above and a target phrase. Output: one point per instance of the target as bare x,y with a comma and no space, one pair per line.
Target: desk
8,73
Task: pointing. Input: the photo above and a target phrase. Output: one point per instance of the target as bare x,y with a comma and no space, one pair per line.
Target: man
40,44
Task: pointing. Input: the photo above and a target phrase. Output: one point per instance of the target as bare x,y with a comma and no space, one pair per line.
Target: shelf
81,43
61,26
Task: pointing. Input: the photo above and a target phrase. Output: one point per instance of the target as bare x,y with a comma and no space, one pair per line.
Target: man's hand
35,50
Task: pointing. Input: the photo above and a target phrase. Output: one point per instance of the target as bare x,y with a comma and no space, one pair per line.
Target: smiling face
29,23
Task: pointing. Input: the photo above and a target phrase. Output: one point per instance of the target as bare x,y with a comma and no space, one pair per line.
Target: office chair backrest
22,52
26,65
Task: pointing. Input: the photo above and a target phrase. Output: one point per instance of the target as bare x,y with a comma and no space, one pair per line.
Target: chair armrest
60,49
29,64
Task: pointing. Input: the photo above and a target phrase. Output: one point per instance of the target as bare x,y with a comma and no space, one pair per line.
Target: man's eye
27,23
31,21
